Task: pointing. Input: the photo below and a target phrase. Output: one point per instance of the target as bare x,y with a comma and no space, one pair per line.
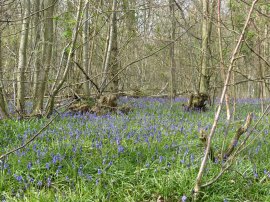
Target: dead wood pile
104,104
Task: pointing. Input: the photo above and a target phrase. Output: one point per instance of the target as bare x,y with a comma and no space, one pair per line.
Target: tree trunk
86,48
3,101
111,47
57,86
172,59
46,56
20,99
37,60
114,63
206,33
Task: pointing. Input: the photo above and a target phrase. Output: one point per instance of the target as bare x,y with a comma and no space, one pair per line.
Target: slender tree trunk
172,59
197,187
260,74
86,48
37,60
206,34
114,63
111,46
221,62
205,78
20,100
57,86
3,101
266,52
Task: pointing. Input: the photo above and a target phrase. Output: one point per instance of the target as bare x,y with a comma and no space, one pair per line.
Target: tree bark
197,187
86,48
112,51
206,34
172,59
57,86
114,63
3,102
46,57
20,99
37,59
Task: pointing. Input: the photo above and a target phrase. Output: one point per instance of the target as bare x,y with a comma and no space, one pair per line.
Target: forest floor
153,151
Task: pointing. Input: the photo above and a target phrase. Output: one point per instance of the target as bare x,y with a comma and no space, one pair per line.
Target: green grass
154,151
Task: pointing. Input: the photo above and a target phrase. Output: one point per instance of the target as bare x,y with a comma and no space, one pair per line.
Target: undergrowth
154,151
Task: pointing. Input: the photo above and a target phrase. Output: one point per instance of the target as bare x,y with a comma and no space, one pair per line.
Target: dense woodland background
51,49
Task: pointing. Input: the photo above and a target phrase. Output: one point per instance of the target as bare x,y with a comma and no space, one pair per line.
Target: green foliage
153,151
68,22
67,33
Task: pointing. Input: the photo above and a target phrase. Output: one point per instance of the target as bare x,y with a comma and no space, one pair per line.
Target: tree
42,74
114,63
172,60
111,52
57,85
206,34
20,100
3,102
86,47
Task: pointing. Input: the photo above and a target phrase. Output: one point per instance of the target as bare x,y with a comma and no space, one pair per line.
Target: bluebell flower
56,158
184,198
49,181
80,171
74,148
160,159
89,177
120,149
39,183
19,178
30,179
47,166
29,165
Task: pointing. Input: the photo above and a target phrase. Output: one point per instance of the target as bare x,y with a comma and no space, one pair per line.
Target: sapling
197,187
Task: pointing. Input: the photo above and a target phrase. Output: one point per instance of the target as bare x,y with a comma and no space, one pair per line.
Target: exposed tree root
198,101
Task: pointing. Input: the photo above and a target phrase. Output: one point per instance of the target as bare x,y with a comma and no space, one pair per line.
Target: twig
203,137
3,156
197,186
87,76
230,160
235,139
30,140
163,89
145,57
